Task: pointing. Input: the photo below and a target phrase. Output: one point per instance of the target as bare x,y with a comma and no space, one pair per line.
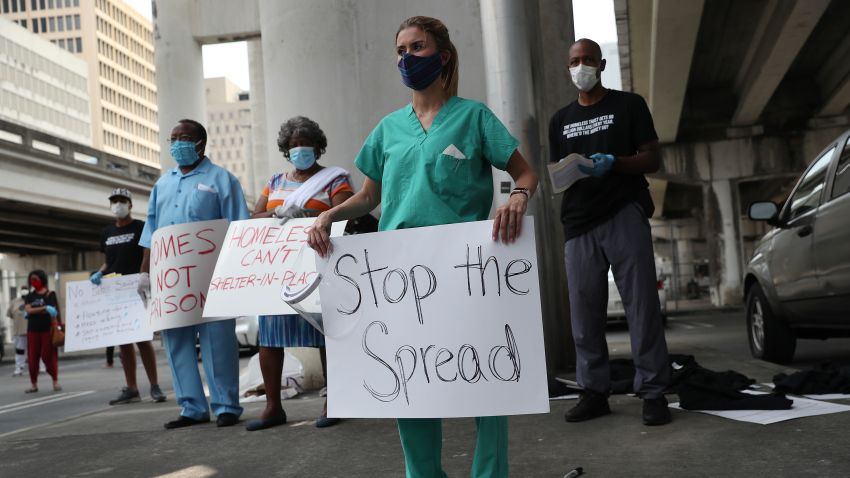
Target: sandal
57,388
31,390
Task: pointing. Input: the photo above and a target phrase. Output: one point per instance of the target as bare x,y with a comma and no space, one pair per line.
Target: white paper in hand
565,172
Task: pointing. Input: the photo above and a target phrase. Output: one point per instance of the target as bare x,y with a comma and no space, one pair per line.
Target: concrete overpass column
310,56
261,161
179,70
728,291
507,66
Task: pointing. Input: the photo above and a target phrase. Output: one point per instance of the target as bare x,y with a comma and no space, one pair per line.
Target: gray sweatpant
624,243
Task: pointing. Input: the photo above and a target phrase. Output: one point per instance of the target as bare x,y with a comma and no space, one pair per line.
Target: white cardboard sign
182,261
104,315
259,258
433,322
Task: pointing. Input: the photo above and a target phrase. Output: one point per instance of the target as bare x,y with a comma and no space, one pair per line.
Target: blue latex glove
96,277
52,311
602,165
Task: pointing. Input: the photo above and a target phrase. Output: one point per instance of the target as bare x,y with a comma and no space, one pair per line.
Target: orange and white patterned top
280,186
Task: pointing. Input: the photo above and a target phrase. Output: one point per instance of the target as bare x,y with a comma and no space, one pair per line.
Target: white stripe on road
34,400
51,399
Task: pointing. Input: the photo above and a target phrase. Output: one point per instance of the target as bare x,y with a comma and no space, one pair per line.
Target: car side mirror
766,211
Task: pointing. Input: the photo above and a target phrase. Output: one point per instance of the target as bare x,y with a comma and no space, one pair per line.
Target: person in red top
42,310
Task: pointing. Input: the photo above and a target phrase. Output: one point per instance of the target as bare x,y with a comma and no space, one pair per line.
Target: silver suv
797,284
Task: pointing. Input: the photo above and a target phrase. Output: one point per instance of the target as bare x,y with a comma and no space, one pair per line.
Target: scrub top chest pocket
455,166
204,203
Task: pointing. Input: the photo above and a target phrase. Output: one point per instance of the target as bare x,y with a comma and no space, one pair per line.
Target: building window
34,5
41,4
43,25
6,6
61,43
52,22
79,42
23,5
50,4
76,22
24,23
35,25
60,22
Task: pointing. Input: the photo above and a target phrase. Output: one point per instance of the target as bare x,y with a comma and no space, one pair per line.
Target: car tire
770,338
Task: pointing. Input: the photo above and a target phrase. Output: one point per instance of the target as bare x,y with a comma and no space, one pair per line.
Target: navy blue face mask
418,72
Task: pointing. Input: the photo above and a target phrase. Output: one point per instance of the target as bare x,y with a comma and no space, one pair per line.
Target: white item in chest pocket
451,150
205,188
454,152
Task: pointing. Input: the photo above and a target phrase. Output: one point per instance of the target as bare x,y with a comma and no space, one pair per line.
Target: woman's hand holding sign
508,220
319,234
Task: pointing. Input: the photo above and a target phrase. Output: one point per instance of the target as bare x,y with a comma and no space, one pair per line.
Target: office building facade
43,87
117,44
229,131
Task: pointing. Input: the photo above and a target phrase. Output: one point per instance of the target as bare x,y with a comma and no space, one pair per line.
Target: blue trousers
623,243
220,353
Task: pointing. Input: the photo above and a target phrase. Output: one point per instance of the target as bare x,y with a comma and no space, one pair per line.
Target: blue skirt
279,331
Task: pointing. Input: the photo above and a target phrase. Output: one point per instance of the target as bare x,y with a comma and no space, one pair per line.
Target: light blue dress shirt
207,192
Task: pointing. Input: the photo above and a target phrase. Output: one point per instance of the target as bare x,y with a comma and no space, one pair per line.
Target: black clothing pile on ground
827,378
700,388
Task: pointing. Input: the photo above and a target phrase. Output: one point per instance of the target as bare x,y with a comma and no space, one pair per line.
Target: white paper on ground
572,396
565,172
802,407
823,396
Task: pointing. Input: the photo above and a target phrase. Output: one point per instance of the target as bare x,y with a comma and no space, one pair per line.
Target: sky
593,19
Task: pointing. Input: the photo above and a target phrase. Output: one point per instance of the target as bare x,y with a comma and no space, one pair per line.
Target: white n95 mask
584,77
120,209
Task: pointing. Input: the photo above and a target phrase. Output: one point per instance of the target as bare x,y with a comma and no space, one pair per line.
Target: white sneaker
18,372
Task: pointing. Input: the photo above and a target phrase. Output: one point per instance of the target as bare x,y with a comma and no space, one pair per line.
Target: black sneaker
590,405
127,396
655,411
184,422
226,420
156,394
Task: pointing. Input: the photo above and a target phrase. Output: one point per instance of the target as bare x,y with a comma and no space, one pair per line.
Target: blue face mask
418,72
302,157
184,153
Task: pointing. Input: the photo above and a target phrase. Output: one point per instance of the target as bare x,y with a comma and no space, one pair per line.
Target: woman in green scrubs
427,164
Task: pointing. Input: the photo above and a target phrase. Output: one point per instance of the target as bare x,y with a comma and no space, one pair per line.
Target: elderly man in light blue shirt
197,190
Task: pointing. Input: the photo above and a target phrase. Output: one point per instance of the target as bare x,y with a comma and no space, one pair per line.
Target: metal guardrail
29,140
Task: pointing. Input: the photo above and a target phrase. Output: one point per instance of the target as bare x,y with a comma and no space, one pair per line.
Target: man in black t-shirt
120,243
605,223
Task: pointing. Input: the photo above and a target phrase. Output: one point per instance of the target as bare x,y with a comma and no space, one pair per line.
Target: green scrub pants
422,442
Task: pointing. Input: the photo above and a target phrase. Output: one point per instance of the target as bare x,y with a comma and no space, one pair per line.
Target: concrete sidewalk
129,440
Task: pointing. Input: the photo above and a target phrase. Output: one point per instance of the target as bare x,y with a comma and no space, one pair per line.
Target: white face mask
120,209
584,77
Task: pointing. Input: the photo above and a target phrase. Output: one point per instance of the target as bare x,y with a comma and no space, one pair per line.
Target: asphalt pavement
74,433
